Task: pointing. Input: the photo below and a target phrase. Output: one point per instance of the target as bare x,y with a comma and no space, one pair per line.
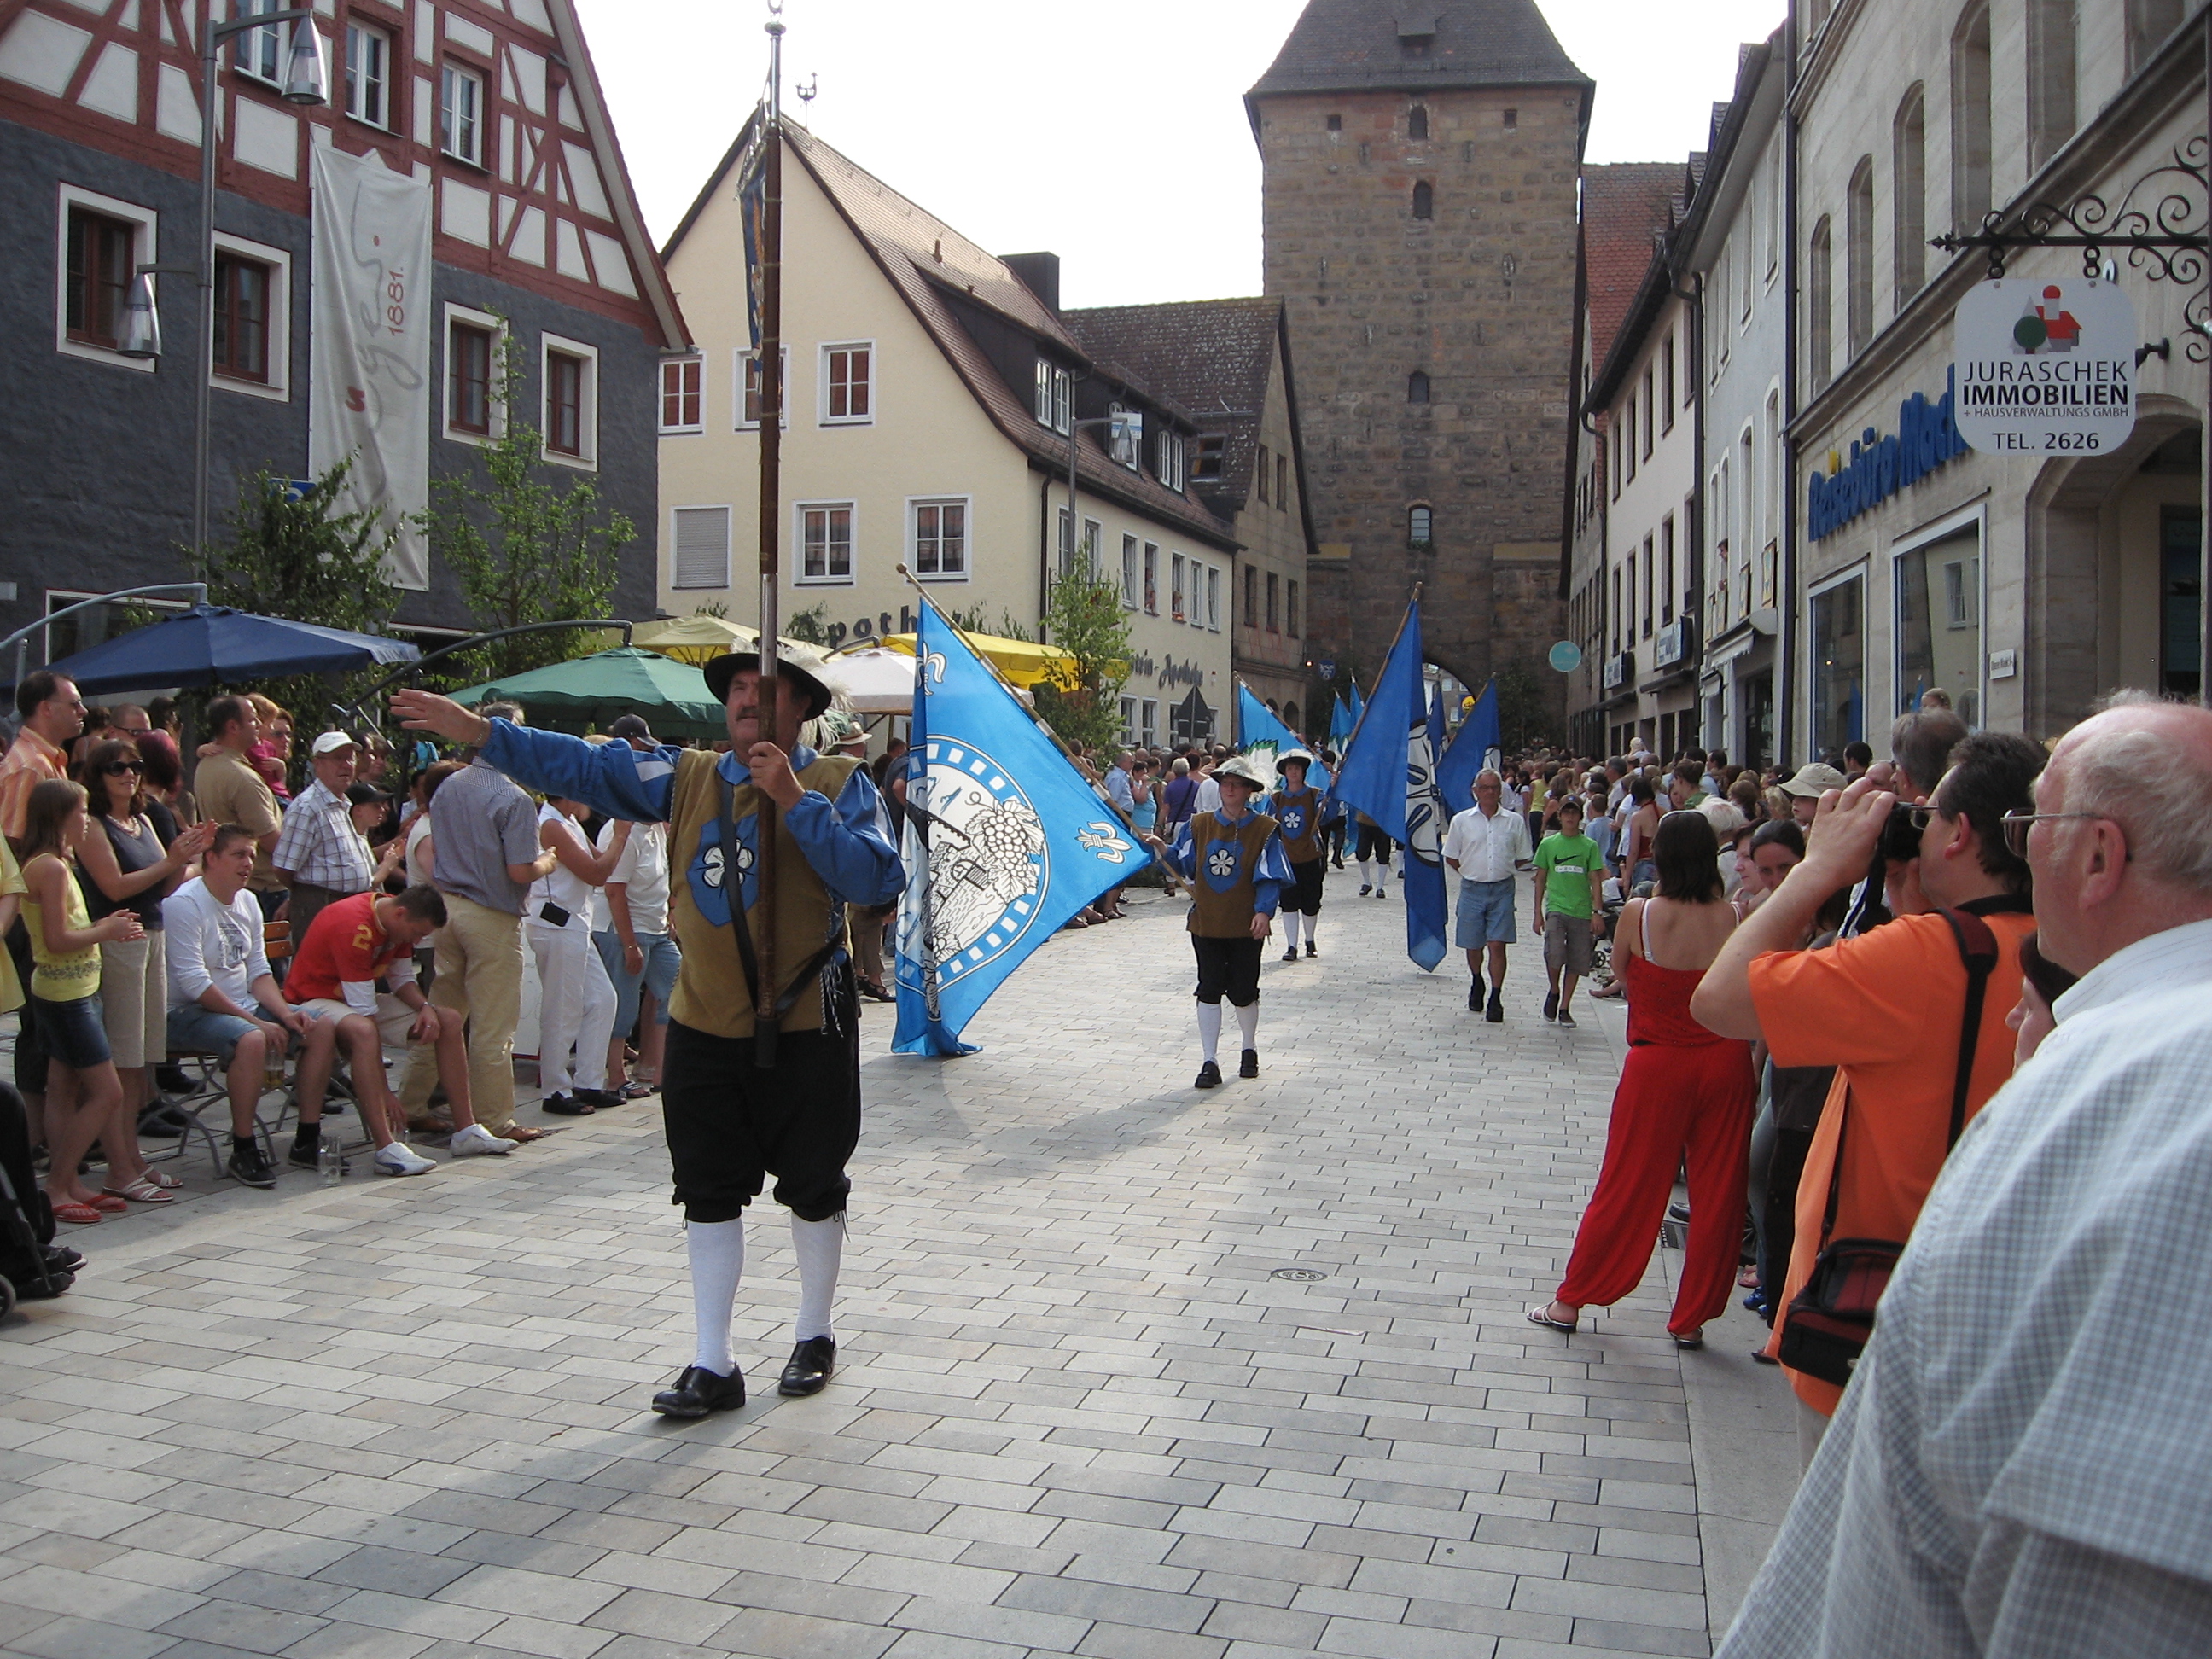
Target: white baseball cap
331,742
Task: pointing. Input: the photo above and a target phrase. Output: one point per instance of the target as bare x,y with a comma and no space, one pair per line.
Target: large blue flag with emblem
1474,747
1260,734
1004,842
1339,723
1389,774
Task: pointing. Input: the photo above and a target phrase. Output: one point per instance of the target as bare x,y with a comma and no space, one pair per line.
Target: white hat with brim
331,742
1242,769
1814,778
1298,754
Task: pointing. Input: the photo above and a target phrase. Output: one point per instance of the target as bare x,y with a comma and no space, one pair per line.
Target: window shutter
703,547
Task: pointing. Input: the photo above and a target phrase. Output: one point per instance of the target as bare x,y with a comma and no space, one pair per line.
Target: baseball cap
1813,779
630,726
331,741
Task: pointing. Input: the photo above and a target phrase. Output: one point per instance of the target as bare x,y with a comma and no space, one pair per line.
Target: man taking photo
1887,1009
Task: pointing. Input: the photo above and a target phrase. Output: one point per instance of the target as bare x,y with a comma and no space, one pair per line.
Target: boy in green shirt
1568,868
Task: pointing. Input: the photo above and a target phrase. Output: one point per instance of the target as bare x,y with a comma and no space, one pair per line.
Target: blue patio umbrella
215,645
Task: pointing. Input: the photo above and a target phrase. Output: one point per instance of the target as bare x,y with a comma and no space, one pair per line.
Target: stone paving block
235,1624
766,1634
1115,1603
359,1642
1014,1627
82,1638
517,1633
533,1594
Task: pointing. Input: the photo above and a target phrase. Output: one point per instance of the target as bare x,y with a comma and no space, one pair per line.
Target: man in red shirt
356,966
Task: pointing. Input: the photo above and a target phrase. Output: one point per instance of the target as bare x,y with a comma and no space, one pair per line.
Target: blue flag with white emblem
1339,723
1389,774
1004,842
1260,734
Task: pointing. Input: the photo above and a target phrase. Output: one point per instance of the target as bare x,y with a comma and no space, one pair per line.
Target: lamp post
306,81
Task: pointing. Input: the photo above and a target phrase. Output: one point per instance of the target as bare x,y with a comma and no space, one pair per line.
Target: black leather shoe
1291,955
698,1391
1209,1076
1249,1064
1475,998
568,1106
812,1363
1495,1013
599,1099
1310,951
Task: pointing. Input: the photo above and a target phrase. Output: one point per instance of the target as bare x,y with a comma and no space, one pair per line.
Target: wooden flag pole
763,920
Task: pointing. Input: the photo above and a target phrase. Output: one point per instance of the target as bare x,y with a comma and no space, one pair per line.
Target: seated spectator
1885,1008
224,1001
356,970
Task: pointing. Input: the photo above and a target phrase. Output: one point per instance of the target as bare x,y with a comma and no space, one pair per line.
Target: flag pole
771,521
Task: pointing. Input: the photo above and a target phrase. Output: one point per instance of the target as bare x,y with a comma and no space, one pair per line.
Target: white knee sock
818,1245
717,1249
1366,873
1290,919
1209,1028
1313,929
1248,1021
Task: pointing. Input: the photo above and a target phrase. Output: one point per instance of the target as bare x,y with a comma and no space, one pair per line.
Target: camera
1900,836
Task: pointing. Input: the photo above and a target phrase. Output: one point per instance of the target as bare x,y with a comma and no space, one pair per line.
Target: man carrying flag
1233,859
1296,807
731,1121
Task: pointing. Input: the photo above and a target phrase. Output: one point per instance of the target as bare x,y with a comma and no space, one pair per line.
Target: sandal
521,1132
167,1183
634,1090
80,1215
144,1190
1542,1316
109,1204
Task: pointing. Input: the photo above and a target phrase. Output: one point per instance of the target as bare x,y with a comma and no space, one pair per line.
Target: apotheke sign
2045,367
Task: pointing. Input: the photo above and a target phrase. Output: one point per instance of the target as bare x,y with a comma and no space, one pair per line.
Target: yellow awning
700,638
1024,662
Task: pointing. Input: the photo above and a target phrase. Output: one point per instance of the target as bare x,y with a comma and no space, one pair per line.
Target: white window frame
697,363
588,460
1128,722
823,416
744,355
484,319
675,568
277,388
1976,519
1213,598
1054,405
1133,572
1178,612
1860,569
449,69
1175,459
144,246
1148,721
258,48
1151,579
798,511
967,506
385,41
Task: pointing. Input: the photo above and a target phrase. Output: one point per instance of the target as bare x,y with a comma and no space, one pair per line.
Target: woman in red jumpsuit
1684,1100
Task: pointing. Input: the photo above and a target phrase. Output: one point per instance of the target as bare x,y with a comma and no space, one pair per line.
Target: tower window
1417,122
1512,119
1425,200
1420,526
1417,387
1336,123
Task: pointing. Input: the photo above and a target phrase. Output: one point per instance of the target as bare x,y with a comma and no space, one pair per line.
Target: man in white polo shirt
1486,844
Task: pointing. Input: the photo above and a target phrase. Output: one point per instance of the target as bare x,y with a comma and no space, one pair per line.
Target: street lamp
307,82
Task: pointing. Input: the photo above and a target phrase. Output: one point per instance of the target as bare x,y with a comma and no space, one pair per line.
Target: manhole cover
1298,1275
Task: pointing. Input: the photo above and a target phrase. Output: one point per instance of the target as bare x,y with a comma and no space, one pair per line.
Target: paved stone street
1080,1412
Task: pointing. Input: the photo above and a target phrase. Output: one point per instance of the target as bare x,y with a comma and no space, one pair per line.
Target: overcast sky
1114,135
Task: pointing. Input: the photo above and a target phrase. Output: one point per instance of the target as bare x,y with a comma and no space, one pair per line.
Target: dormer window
1055,392
1416,35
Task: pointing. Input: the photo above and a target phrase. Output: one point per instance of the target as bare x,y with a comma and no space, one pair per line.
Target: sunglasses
2016,827
118,768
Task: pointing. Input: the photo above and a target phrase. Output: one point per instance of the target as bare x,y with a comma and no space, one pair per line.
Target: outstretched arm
611,777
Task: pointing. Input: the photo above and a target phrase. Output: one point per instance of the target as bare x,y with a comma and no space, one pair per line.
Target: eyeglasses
117,768
1920,816
2015,826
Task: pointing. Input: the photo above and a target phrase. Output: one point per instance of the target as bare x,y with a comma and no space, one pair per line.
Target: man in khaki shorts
356,966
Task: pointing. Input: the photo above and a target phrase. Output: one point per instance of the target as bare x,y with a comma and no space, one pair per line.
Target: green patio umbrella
597,689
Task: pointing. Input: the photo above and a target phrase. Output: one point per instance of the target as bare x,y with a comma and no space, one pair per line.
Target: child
1233,859
1568,866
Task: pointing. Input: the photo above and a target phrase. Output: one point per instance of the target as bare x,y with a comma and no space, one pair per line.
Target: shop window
1836,645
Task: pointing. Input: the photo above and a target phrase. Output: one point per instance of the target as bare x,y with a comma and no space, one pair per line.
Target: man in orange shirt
356,966
1887,1008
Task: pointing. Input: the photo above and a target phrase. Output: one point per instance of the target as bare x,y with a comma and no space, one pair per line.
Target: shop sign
1878,466
2045,367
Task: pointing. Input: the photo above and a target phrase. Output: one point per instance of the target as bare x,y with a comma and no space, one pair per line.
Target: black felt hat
721,670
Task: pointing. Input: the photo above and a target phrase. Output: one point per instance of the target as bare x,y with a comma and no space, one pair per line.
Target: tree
971,621
1083,616
525,550
1522,709
295,555
812,624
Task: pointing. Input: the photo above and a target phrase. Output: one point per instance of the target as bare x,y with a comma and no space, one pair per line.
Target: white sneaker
400,1159
476,1141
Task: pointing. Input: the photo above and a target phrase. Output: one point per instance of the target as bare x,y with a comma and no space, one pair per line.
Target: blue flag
1389,774
1004,842
1358,708
1339,724
1474,747
1259,729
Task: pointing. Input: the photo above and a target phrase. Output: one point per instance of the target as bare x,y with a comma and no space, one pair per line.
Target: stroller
1608,912
28,1265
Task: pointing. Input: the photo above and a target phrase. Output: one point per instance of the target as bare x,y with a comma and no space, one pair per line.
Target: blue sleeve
1270,876
849,842
611,778
1181,856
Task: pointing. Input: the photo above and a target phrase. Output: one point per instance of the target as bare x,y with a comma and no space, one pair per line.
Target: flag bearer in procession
731,1121
1233,859
1297,807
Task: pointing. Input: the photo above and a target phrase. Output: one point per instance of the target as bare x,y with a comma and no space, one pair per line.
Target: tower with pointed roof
1419,160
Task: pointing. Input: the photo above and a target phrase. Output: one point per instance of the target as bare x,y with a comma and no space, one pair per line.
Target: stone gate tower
1419,162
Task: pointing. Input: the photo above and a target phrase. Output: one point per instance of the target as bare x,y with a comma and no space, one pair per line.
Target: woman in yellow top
84,1095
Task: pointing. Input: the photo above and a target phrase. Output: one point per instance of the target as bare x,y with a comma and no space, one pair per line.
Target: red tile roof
1627,208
